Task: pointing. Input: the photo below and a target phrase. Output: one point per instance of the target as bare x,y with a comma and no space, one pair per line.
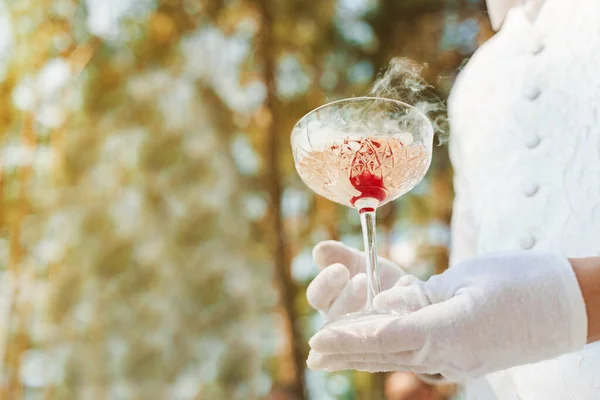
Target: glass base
364,315
432,379
355,317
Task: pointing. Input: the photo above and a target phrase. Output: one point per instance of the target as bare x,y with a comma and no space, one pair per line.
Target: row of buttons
531,141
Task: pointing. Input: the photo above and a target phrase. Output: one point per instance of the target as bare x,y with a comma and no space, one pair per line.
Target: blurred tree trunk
19,342
283,279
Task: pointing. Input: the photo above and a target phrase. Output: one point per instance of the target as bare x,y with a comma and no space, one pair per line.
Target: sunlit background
156,239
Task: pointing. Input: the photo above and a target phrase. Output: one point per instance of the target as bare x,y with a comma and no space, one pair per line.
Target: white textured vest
525,119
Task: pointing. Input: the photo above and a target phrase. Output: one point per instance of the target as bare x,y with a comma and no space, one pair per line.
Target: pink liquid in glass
380,168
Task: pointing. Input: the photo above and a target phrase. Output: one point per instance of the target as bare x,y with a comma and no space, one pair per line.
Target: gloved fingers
389,333
330,252
352,297
380,333
317,360
389,273
401,299
406,280
327,286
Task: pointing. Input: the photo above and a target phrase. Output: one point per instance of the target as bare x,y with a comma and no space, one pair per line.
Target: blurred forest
156,238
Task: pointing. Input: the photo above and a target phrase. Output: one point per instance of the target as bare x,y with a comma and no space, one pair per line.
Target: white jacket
525,144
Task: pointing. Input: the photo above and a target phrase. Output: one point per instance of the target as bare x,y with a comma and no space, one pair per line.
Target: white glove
486,314
341,287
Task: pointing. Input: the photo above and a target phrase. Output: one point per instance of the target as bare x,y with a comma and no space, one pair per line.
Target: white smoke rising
403,81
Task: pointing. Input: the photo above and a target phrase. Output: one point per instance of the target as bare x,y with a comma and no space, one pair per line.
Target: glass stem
366,208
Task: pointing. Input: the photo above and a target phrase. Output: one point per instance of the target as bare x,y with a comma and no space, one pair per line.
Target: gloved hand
486,314
341,287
